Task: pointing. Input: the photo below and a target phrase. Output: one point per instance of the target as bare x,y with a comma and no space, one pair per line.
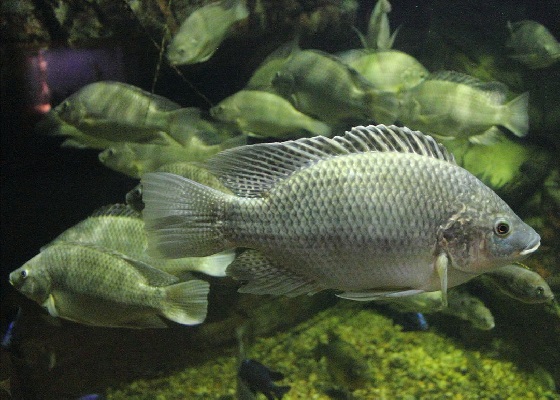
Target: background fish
135,159
378,211
345,364
203,31
322,86
533,44
450,104
106,112
94,286
119,228
267,114
390,71
521,283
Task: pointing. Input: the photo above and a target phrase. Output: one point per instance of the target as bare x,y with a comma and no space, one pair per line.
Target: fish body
378,211
119,228
260,379
450,104
321,85
389,71
266,114
470,308
378,35
135,159
345,364
94,286
521,283
533,44
203,31
106,112
461,304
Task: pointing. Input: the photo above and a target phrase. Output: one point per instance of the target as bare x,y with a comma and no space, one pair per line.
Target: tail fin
516,116
186,302
215,265
182,216
319,128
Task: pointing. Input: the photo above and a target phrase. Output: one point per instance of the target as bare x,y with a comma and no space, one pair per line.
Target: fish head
32,280
71,111
121,158
478,240
190,49
225,111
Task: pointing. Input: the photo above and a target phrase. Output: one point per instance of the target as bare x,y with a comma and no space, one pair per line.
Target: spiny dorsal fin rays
250,171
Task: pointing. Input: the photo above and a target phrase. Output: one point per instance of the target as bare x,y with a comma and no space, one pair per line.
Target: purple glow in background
55,74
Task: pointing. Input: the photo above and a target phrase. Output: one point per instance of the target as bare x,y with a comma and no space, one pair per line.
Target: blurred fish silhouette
260,379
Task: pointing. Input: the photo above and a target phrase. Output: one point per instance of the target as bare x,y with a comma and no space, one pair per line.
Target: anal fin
369,295
265,277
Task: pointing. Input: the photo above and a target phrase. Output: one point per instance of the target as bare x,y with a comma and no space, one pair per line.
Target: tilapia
461,304
102,113
390,71
322,86
94,286
119,228
203,31
266,114
521,283
454,105
345,364
135,159
533,44
324,213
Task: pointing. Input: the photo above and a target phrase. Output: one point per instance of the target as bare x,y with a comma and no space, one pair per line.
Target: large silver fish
94,286
378,211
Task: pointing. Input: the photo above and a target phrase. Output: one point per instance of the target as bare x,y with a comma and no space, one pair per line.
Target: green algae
411,365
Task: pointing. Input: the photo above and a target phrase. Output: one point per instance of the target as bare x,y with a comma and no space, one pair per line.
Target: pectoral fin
441,268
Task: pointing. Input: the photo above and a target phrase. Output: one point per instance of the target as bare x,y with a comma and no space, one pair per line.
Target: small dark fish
412,321
260,378
346,365
8,337
93,396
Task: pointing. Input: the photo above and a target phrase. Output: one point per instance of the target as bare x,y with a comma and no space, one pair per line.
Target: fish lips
531,247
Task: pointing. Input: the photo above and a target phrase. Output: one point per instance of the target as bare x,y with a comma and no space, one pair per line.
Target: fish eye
501,228
23,274
540,291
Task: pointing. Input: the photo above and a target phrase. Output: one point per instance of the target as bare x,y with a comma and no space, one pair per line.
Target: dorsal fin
116,210
250,171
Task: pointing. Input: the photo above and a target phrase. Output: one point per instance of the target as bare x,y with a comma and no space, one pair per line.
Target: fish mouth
534,245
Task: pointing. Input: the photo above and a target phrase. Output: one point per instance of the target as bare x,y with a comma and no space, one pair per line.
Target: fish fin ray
497,89
251,171
186,302
490,136
182,217
517,115
116,210
216,264
264,277
369,295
